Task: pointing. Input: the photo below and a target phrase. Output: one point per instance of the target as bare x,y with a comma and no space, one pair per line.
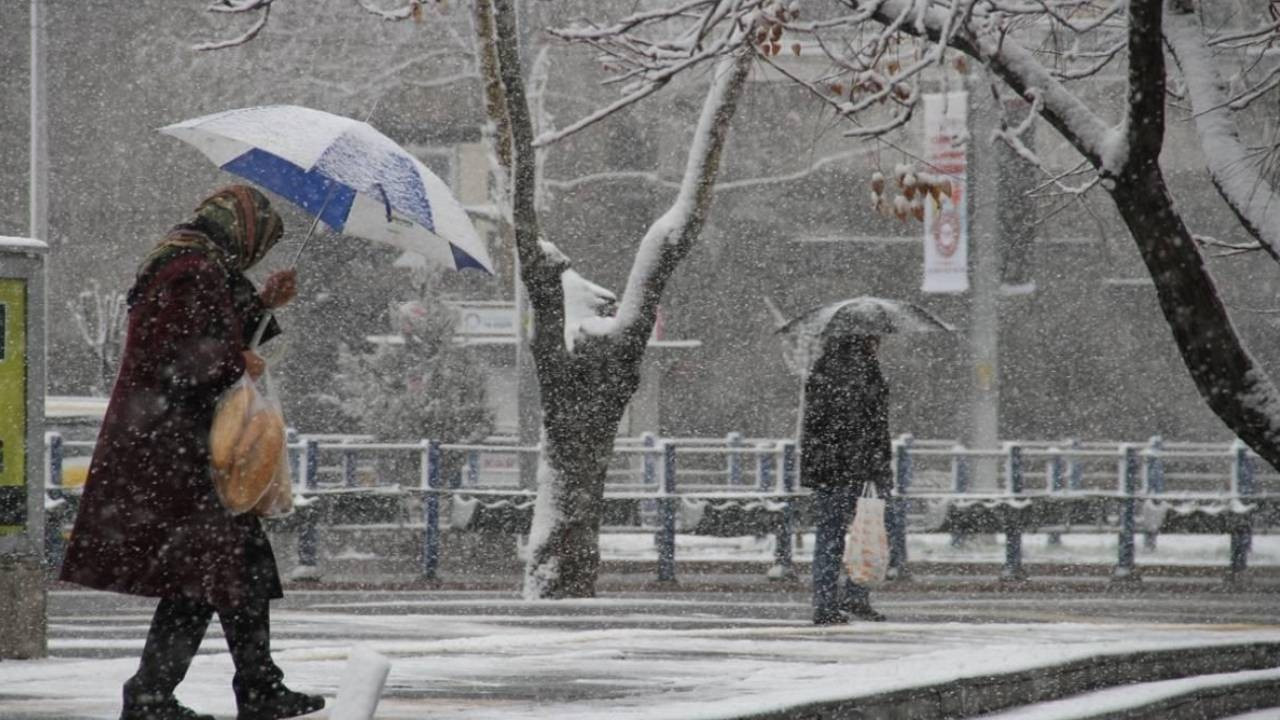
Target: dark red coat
149,521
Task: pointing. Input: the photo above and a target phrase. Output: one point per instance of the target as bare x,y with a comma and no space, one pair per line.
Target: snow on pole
362,684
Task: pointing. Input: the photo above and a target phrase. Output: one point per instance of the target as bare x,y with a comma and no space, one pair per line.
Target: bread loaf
254,458
228,424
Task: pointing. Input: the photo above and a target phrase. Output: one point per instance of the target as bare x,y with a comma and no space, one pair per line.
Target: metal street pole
980,419
39,133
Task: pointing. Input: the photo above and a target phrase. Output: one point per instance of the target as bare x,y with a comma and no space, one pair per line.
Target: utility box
22,494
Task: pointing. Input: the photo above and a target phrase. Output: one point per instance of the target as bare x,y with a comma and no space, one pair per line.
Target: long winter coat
844,440
149,521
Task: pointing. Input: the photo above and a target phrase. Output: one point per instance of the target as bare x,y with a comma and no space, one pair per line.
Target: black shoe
141,706
830,617
865,613
273,702
857,604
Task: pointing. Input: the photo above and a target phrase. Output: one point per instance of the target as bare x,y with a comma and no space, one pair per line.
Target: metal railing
662,473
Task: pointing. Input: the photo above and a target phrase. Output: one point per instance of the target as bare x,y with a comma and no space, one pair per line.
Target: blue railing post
53,441
960,480
1130,468
734,441
766,465
666,540
896,515
1057,482
783,553
54,547
1013,569
311,465
1242,485
1153,470
1075,469
291,454
473,468
431,486
649,477
308,534
349,468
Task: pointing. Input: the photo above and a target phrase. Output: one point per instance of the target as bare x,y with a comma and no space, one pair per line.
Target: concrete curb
1215,702
971,697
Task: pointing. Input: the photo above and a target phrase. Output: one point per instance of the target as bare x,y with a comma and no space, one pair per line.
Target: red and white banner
946,225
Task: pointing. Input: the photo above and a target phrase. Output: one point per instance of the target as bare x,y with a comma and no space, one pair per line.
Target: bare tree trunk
583,402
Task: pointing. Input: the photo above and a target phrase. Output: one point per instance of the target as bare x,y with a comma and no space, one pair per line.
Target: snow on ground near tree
1086,549
524,660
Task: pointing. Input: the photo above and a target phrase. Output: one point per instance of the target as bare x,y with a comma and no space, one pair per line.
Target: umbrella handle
266,318
314,222
262,328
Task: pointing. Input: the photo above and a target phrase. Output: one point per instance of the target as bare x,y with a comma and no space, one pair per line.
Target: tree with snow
418,382
1221,61
586,345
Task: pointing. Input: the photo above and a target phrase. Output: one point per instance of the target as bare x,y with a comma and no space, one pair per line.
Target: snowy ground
487,655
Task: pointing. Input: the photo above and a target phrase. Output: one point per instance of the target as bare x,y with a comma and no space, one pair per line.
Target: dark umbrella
863,315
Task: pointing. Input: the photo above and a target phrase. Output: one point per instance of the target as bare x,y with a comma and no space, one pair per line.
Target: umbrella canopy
355,179
864,315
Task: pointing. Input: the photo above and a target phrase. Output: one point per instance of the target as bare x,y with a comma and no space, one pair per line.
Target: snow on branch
981,30
238,7
640,52
411,9
672,235
1235,174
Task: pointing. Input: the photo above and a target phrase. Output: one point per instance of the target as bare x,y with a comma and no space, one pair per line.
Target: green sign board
13,401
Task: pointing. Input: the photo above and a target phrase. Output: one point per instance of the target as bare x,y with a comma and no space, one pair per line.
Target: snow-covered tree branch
1236,173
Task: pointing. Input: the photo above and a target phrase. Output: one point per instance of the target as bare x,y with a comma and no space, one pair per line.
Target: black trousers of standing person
179,627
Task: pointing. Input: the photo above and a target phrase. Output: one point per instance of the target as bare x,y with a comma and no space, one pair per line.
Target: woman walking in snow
150,522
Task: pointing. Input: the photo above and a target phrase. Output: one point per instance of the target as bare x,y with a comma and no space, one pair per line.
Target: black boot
857,603
151,706
176,631
271,700
258,683
830,616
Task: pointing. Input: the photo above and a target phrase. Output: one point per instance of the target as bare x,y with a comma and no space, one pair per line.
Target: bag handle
869,491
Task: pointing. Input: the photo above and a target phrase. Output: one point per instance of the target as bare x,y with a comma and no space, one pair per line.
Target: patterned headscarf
236,226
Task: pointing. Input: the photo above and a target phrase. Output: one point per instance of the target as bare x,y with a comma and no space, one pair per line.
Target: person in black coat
844,444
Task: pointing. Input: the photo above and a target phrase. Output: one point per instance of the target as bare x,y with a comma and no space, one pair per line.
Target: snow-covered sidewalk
475,657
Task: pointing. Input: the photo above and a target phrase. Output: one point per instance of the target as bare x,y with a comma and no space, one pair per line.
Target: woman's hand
254,365
280,288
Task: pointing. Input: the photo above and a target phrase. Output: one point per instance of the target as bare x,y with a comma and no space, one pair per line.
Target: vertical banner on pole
946,225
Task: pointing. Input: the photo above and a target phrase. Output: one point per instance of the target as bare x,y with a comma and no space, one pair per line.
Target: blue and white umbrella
343,171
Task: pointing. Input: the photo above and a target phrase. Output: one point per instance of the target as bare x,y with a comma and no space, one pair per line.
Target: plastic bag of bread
247,451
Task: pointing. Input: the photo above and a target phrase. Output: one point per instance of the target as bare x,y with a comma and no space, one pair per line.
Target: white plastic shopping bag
247,448
866,553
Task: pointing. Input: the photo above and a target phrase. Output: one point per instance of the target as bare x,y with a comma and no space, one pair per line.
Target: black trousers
178,628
